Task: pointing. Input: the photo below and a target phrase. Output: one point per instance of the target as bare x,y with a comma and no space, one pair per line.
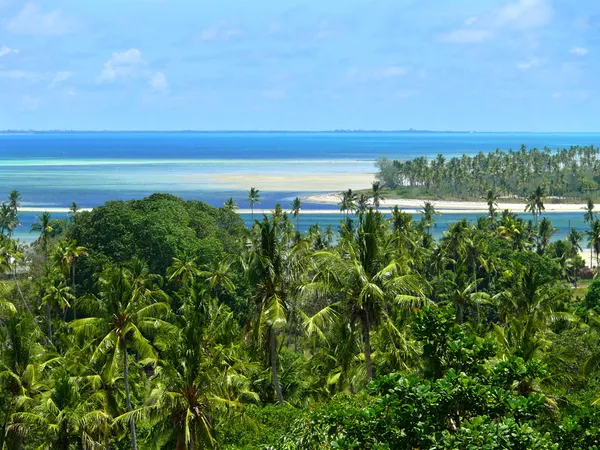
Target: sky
483,65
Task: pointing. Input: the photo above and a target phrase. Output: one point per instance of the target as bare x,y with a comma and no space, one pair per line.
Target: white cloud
579,51
379,74
516,15
20,75
122,65
221,31
524,14
159,83
60,77
467,36
4,50
32,20
530,64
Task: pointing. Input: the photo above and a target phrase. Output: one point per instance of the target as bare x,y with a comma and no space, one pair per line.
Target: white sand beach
289,182
448,207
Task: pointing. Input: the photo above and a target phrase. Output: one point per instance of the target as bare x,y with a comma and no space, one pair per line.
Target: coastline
448,207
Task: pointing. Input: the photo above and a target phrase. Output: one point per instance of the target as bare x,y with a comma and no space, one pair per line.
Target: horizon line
338,130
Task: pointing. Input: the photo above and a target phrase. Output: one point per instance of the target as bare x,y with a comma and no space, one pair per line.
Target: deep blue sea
52,170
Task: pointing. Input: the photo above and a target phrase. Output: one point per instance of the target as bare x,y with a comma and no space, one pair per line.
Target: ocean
51,170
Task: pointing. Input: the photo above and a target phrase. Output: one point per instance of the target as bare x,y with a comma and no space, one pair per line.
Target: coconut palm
347,201
428,213
67,414
265,270
491,199
362,205
594,239
545,232
14,200
376,194
230,204
8,219
66,254
128,309
589,215
535,202
462,297
56,295
45,226
253,198
74,209
296,207
367,280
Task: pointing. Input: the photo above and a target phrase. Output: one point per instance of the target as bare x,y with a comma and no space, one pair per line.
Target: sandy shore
448,207
49,209
292,182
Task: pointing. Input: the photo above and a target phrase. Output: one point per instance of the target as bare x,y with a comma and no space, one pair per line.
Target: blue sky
516,65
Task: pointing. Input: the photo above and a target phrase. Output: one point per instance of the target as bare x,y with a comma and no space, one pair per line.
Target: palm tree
296,207
184,270
545,232
427,218
462,297
594,239
55,295
67,415
376,194
9,219
129,304
266,270
535,202
253,197
492,202
362,205
14,200
74,209
573,239
348,201
230,204
66,254
366,279
45,226
589,214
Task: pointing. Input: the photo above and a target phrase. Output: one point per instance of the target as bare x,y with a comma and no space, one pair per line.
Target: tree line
164,323
570,173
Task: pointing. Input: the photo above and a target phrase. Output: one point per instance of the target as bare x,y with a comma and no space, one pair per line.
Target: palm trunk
192,445
19,289
367,344
73,289
49,321
127,396
475,274
273,351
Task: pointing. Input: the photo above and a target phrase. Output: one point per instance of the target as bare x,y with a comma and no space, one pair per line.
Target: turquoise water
91,168
562,221
54,169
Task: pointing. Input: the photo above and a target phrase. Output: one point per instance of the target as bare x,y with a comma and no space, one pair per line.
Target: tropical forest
162,323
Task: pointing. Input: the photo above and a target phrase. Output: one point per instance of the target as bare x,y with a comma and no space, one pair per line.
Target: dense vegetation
571,173
164,323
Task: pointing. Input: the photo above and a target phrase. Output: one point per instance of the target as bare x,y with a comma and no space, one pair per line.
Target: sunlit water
53,170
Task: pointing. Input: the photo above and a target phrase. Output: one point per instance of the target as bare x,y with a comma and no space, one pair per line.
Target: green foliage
592,296
155,229
162,323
